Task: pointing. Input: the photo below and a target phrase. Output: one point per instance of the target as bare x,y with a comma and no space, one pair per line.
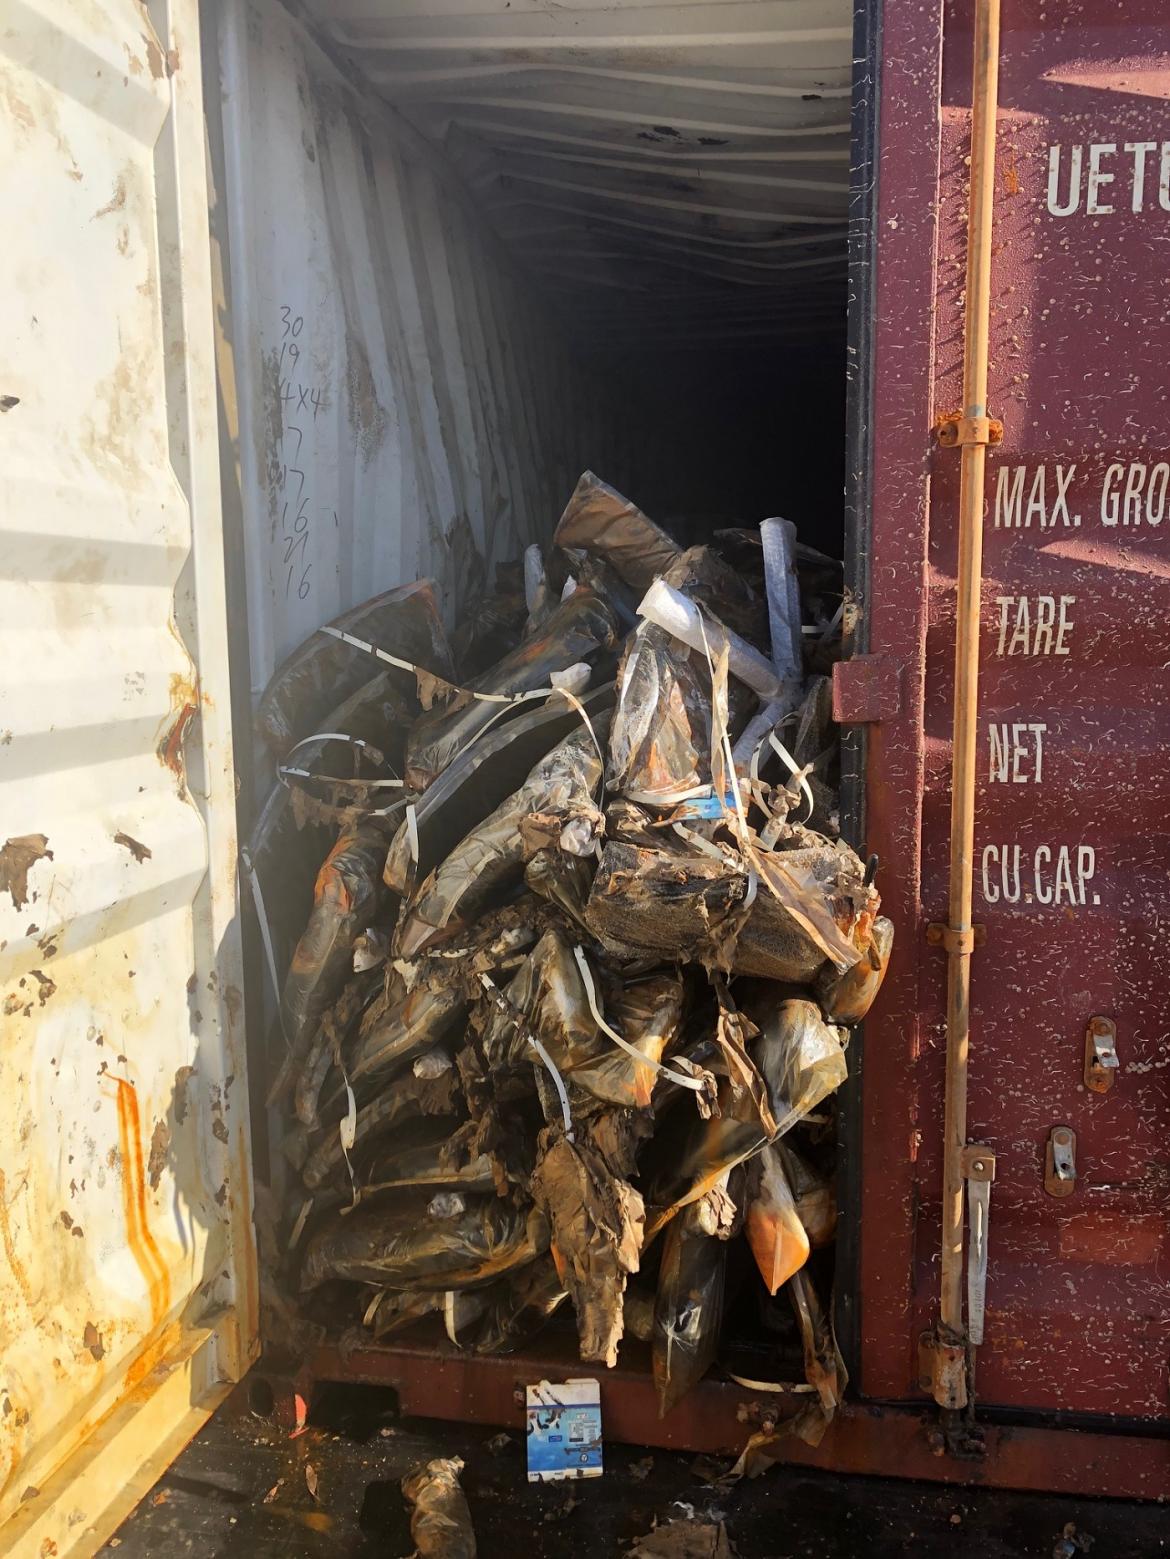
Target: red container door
1072,870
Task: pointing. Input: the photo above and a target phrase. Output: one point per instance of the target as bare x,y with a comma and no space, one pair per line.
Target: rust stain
116,201
138,1236
184,704
16,1266
160,1143
17,858
140,852
154,57
1011,177
92,1340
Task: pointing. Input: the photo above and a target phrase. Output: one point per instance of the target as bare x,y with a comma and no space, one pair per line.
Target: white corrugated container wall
128,1290
407,406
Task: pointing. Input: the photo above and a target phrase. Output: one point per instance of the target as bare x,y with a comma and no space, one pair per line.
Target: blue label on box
564,1430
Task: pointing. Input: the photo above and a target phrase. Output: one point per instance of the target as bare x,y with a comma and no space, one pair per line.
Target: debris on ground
566,942
1071,1542
440,1522
686,1539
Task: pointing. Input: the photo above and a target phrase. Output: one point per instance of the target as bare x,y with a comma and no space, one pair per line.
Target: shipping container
305,300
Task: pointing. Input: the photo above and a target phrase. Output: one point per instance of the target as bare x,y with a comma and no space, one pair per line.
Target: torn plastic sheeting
492,857
440,1522
696,908
688,1306
481,778
401,1245
578,629
825,1371
596,1221
846,998
410,1097
802,1060
506,1315
563,880
598,519
323,670
725,595
660,735
346,897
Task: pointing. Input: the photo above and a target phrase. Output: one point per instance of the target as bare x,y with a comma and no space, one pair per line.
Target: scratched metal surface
1071,834
124,1177
408,406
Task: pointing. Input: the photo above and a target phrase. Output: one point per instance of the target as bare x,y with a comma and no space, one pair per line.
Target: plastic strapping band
489,985
332,736
329,779
506,699
412,832
299,1226
694,1083
797,772
406,665
265,935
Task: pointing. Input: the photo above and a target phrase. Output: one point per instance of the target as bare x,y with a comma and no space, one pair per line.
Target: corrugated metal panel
663,167
407,407
1071,834
127,1284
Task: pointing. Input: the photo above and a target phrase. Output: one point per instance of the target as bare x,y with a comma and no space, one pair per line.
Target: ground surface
243,1487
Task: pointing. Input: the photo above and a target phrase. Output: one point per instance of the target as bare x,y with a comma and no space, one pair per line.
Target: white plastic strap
284,772
562,1093
695,1083
796,771
265,934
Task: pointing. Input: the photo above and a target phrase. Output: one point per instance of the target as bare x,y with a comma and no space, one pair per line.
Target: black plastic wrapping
575,633
324,670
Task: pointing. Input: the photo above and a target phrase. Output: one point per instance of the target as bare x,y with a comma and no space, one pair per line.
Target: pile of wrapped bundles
568,946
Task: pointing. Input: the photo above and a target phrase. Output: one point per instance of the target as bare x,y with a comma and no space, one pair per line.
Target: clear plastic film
688,1306
778,1239
801,1060
440,1521
660,735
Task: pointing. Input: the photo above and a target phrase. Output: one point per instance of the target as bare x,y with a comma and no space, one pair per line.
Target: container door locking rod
947,1359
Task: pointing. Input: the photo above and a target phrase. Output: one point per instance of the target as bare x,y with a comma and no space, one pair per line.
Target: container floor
243,1487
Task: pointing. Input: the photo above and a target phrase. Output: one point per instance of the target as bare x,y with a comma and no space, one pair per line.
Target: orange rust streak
138,1236
14,1261
171,748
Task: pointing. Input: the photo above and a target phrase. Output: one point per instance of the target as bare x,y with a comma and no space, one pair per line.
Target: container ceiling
679,172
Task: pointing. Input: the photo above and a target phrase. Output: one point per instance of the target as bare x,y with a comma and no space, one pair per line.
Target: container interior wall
407,404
